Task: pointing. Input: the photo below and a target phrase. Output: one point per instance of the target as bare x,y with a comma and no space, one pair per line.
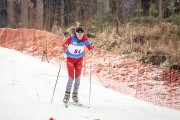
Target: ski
66,105
78,104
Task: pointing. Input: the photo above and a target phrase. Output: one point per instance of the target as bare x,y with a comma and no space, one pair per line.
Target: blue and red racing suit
75,54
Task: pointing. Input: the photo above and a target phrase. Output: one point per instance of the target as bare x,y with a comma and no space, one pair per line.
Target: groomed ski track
26,86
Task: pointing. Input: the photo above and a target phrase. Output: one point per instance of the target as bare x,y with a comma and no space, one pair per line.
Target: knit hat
80,30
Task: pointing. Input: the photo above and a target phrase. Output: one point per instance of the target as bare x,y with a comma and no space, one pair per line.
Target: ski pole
56,80
90,78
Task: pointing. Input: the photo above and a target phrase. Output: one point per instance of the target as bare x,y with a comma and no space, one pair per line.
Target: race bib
75,49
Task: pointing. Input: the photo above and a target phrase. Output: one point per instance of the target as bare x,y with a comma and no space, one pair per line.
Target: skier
74,47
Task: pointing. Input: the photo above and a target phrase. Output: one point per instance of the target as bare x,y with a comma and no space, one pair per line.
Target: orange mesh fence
33,42
150,83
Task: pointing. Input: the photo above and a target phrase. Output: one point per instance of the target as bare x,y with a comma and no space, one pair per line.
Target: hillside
27,84
158,85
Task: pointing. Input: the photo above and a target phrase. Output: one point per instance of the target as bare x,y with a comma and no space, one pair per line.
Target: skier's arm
89,46
88,43
66,44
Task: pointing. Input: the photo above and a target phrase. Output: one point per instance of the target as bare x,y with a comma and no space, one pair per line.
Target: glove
64,48
91,48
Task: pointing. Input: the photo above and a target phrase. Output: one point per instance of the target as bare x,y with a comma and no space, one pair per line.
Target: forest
144,30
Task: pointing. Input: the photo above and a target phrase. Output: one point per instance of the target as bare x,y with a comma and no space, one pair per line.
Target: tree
24,13
62,14
160,9
10,11
3,14
39,14
122,11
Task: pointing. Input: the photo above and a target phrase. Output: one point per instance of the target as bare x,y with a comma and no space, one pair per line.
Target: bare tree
62,14
10,11
121,11
106,5
160,8
48,14
24,13
78,7
39,14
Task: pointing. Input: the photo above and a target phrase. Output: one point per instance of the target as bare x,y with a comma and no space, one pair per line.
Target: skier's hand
64,48
91,48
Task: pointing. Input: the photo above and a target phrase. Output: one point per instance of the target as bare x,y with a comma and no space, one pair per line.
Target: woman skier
74,47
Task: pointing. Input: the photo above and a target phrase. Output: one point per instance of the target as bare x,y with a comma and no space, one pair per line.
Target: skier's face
79,35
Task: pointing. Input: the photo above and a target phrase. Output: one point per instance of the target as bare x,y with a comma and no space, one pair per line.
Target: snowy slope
26,87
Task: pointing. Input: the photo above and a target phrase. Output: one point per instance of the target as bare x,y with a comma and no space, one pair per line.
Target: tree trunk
39,14
117,16
77,11
122,11
160,9
10,11
24,13
62,15
106,5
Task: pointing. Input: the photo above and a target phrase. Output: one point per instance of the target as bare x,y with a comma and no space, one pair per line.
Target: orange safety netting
150,83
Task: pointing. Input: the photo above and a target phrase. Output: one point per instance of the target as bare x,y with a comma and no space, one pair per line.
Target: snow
26,87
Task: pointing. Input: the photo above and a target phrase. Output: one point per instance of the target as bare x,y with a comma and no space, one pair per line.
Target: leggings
74,67
76,85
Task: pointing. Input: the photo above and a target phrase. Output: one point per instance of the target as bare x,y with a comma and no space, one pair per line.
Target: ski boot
75,97
66,98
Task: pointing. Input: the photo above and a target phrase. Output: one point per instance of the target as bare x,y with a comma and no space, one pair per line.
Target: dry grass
137,41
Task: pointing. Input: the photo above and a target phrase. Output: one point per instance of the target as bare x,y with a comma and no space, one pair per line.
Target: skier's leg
76,88
68,90
76,84
69,85
70,68
78,68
